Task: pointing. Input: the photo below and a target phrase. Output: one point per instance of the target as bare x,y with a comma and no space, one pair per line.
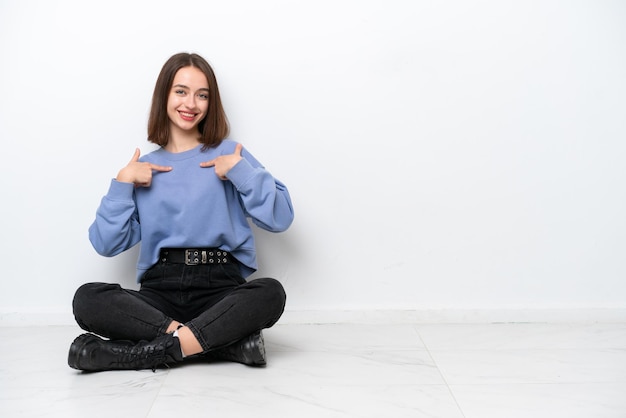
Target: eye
203,96
180,92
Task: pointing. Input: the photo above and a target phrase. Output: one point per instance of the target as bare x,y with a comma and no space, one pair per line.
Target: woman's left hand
224,163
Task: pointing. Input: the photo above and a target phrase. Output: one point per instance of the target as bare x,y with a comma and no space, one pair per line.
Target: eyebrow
185,87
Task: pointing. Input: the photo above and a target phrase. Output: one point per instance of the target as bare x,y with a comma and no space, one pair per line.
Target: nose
190,101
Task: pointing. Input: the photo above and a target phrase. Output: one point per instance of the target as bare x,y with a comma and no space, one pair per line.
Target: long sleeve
116,227
265,199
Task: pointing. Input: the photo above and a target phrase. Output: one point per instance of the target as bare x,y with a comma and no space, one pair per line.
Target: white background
440,155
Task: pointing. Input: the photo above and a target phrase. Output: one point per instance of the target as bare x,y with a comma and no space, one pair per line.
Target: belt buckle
192,257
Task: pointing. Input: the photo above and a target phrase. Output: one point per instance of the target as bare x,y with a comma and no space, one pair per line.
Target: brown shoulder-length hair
213,128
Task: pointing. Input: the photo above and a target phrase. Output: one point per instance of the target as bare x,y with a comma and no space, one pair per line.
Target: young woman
188,203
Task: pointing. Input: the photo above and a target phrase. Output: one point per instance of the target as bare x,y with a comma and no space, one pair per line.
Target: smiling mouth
187,116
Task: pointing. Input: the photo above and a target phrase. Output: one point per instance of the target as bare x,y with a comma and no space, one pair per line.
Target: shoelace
144,355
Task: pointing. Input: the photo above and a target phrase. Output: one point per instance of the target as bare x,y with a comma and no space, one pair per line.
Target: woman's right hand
138,173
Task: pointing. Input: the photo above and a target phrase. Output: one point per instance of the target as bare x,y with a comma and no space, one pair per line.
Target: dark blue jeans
214,301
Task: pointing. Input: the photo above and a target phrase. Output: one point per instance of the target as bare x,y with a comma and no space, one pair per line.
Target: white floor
395,371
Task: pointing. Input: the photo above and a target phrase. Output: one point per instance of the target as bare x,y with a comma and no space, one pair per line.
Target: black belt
195,256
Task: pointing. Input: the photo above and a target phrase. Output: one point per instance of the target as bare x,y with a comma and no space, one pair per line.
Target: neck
181,141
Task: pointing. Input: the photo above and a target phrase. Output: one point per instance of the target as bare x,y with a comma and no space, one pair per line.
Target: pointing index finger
208,163
157,167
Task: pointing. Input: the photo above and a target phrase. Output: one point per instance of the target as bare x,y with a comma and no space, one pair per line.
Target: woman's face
188,99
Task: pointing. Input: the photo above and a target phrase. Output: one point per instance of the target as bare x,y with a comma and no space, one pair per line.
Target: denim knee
276,289
86,298
272,296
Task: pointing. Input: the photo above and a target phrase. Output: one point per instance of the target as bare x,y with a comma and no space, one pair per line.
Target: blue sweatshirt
190,207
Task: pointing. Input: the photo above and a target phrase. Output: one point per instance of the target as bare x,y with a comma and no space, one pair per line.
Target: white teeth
187,115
